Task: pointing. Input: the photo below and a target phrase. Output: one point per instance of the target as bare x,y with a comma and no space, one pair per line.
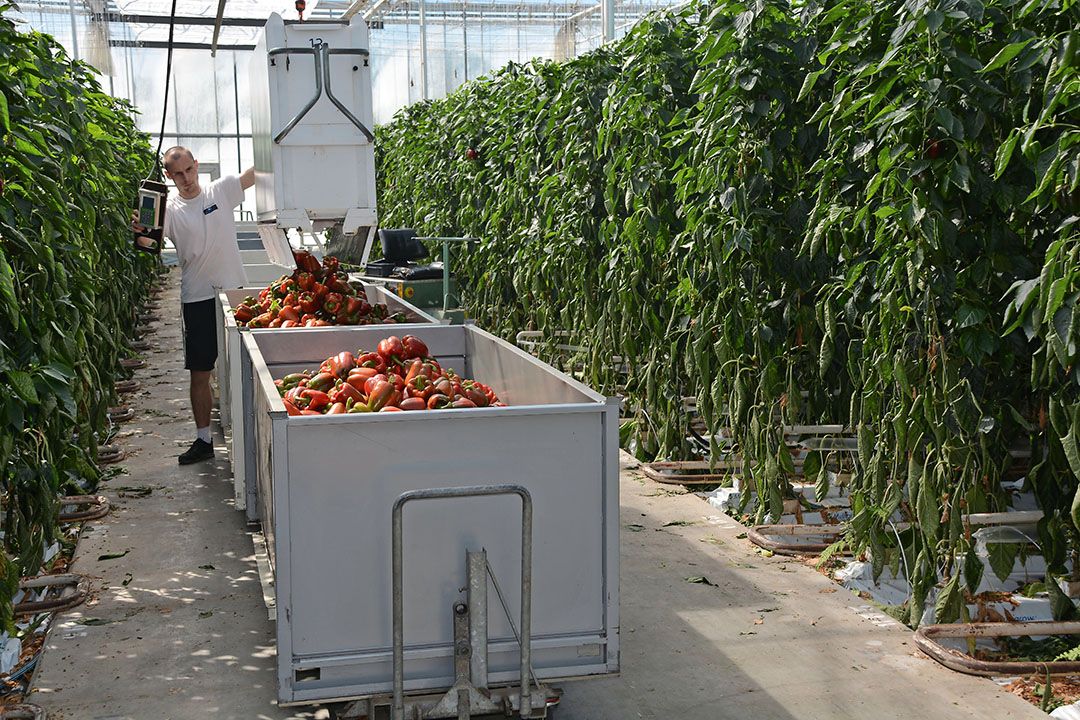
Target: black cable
168,77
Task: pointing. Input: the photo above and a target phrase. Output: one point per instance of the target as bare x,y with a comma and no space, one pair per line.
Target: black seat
400,246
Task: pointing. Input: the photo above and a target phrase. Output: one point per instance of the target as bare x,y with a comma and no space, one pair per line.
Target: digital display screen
147,210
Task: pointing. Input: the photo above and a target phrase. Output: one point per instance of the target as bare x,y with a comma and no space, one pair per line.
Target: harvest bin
231,373
327,486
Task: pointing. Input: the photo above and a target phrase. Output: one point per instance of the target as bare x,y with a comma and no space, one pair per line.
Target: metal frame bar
314,52
525,701
327,52
321,53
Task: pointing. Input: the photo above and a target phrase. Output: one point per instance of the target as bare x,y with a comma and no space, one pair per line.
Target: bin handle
321,52
525,704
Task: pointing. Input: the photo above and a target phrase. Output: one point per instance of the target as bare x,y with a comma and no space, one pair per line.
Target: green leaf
973,570
949,600
1072,451
1002,557
5,120
1062,607
1006,54
23,385
1005,153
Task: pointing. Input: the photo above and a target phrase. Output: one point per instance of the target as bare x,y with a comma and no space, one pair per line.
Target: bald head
183,169
177,153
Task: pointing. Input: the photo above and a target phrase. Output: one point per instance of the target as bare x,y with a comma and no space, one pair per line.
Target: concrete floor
177,629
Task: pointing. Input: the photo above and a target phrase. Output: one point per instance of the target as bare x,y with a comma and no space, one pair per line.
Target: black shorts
200,335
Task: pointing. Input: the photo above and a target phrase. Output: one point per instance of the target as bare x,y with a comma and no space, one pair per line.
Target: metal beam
217,27
176,45
355,7
180,20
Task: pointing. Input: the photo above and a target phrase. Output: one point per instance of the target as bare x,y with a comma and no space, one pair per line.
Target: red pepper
289,313
356,305
276,322
330,264
291,409
421,387
359,376
339,282
413,347
370,383
463,403
333,302
380,395
391,348
345,392
310,412
310,322
260,321
305,281
336,409
413,403
322,381
320,291
243,314
306,262
372,360
316,398
308,303
290,324
438,401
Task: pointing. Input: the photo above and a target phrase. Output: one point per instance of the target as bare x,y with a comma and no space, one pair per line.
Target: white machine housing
311,124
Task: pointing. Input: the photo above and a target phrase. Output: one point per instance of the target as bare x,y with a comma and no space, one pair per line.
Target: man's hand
141,240
248,178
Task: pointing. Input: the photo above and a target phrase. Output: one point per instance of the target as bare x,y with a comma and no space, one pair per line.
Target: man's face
184,171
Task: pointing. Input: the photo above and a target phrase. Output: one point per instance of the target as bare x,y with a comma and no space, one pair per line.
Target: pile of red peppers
316,294
399,376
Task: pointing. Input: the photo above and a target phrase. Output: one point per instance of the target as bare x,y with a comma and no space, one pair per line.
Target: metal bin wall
327,485
233,371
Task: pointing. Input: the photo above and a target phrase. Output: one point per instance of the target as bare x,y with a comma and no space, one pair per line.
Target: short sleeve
166,228
234,192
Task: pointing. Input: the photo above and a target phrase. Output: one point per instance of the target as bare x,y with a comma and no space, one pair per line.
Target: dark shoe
198,452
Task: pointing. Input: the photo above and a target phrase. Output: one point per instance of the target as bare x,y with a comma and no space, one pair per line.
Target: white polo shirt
204,233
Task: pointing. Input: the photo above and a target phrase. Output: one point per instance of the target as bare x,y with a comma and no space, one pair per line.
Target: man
199,222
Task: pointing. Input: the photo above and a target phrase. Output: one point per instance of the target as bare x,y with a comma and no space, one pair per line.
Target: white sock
204,434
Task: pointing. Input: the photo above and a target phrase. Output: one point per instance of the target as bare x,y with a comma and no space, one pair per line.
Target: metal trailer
236,401
361,579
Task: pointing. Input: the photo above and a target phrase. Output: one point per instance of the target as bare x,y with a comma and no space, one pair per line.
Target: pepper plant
856,212
70,163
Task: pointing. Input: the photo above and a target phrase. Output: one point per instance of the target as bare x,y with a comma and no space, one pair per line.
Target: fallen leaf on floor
207,567
112,556
205,614
634,527
700,580
827,590
134,491
740,536
679,523
712,540
765,610
748,632
765,553
760,621
94,621
127,579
